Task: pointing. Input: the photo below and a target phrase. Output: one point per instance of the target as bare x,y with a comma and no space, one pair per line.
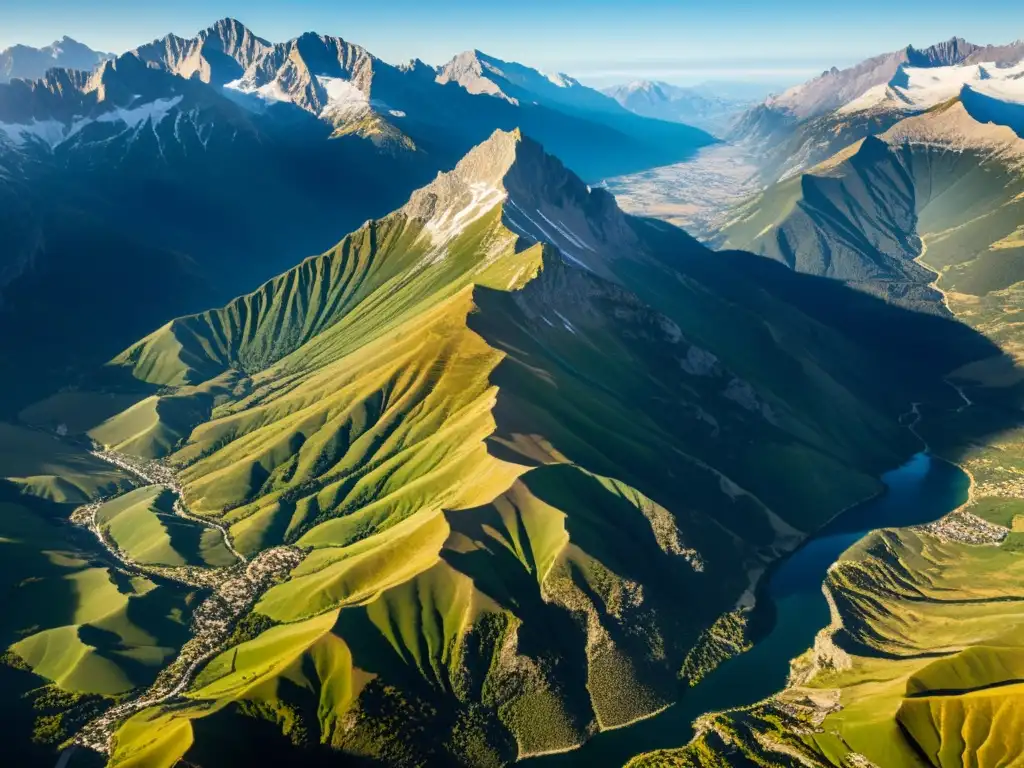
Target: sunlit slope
73,621
921,665
921,668
142,524
967,709
75,630
941,177
532,449
258,329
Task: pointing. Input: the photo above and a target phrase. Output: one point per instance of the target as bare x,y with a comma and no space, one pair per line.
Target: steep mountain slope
942,181
920,665
699,106
87,628
207,165
478,73
407,109
132,177
28,63
807,124
218,54
916,89
528,449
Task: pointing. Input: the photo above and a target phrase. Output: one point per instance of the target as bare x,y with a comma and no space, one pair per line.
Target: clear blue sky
607,40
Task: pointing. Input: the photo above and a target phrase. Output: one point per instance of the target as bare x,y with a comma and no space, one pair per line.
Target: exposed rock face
835,87
944,54
321,74
801,126
480,73
216,55
467,70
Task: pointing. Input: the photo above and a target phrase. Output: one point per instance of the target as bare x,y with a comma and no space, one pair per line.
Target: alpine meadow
664,414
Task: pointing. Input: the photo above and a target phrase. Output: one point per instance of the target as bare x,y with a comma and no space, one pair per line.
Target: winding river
921,491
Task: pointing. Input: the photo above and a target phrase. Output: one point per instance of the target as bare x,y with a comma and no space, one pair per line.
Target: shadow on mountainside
685,419
611,397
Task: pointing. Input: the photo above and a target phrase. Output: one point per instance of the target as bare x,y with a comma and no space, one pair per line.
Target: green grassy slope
74,621
75,629
861,216
922,665
525,478
142,524
41,464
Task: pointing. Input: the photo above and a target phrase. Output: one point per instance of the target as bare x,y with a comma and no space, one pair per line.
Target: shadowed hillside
919,665
527,452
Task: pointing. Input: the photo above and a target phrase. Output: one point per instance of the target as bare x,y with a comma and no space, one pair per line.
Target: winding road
235,589
155,473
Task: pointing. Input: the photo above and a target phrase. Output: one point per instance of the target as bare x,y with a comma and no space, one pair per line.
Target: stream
921,491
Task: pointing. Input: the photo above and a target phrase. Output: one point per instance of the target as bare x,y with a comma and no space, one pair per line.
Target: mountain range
807,124
944,172
590,371
699,106
352,421
209,164
903,178
28,63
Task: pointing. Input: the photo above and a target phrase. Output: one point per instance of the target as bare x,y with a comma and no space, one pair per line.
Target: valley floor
695,195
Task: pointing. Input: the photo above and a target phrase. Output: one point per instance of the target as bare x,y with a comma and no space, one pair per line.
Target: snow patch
574,259
344,100
565,322
1010,90
915,89
565,232
559,79
271,93
49,132
54,133
516,226
154,111
447,226
549,237
134,117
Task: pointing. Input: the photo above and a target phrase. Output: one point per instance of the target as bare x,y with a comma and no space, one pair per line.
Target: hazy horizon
600,43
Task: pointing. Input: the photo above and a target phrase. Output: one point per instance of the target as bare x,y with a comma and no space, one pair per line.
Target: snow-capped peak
913,89
560,79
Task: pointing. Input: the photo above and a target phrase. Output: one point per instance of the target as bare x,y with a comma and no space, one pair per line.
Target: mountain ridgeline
27,63
903,178
807,124
528,449
503,468
207,165
943,186
700,105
